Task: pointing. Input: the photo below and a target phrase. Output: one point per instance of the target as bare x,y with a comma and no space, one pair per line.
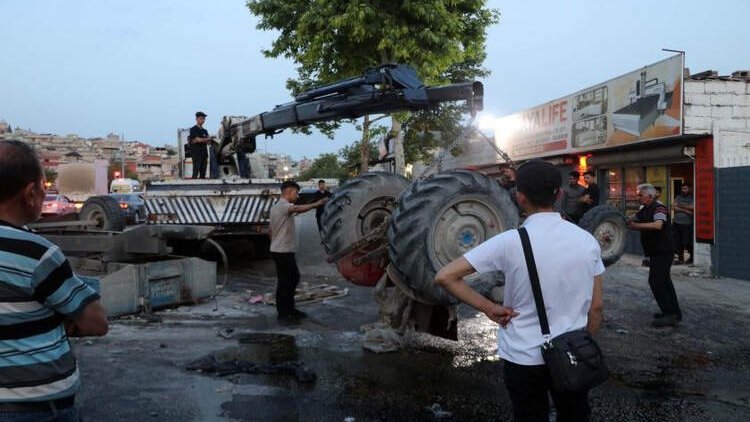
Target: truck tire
106,211
439,219
356,208
607,224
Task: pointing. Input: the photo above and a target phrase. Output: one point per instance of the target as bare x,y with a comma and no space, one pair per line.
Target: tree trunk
364,147
398,146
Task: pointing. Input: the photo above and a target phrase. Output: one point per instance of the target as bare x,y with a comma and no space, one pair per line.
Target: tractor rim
608,233
462,224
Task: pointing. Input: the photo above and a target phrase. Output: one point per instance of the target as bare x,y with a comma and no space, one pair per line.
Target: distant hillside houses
146,161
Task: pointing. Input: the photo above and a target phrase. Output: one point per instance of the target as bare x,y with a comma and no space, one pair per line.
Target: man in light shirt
571,286
283,247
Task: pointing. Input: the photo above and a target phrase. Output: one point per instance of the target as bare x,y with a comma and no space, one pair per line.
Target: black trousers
660,281
528,387
683,239
200,161
287,275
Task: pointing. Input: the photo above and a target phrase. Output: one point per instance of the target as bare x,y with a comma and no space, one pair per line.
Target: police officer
198,140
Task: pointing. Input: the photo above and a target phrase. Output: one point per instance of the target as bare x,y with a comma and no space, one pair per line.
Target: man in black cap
198,140
571,286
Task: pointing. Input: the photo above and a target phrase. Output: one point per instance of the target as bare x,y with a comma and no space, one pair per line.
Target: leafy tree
352,155
326,166
332,39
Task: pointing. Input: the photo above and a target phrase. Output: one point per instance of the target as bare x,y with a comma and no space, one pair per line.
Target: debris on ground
438,412
256,299
210,365
309,293
226,333
381,339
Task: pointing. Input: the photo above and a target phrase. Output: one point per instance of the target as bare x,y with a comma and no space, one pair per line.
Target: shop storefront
654,125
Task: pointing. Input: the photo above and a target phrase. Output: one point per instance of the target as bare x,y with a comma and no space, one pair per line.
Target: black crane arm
385,89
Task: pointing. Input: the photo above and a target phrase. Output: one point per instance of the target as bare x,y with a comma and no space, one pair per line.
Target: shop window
634,176
657,176
614,188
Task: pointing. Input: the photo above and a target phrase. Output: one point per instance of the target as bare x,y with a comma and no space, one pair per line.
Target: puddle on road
267,347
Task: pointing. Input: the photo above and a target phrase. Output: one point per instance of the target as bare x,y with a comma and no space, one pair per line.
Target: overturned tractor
380,229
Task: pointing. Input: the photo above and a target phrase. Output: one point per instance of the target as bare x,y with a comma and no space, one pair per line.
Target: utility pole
122,155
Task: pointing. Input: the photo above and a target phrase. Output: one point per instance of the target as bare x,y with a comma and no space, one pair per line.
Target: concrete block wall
711,101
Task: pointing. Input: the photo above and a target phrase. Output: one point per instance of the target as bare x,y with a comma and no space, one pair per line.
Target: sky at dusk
142,68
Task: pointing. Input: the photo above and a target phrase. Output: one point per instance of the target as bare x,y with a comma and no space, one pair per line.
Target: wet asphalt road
696,372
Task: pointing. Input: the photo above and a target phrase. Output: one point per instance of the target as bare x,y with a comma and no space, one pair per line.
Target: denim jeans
69,414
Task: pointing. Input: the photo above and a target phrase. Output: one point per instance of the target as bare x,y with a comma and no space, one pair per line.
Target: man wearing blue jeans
42,302
571,285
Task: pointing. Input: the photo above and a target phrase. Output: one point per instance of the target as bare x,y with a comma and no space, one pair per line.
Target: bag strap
534,276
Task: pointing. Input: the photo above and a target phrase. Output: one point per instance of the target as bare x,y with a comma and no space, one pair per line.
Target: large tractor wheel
358,207
106,211
607,224
438,220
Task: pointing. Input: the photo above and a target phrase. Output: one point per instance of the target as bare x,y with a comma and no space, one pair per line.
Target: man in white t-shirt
569,263
283,246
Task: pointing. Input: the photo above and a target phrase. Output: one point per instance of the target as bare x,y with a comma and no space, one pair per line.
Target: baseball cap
538,178
200,114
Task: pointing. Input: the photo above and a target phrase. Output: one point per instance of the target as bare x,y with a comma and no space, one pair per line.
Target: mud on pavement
695,372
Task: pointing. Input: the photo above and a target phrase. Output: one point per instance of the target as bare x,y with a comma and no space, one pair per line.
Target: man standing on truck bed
283,246
43,302
198,140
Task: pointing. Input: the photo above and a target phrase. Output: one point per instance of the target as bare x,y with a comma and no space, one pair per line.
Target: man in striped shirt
41,302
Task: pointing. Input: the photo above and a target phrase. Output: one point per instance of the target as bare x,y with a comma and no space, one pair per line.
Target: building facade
655,125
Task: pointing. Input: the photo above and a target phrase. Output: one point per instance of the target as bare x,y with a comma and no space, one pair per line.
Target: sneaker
658,315
678,262
665,321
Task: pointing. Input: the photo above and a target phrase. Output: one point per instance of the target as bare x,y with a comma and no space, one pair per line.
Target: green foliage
326,166
444,40
351,154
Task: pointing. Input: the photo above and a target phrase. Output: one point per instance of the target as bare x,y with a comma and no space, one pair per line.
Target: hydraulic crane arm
386,89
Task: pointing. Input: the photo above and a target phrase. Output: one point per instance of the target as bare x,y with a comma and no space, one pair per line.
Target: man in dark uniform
321,193
652,220
590,196
198,139
570,201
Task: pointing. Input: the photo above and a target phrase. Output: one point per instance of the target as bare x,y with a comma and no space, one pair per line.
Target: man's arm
597,307
451,279
91,321
654,225
299,209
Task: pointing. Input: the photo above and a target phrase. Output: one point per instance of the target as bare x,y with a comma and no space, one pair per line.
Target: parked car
306,195
132,206
57,205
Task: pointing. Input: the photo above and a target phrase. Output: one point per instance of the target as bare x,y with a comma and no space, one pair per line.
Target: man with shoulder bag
552,304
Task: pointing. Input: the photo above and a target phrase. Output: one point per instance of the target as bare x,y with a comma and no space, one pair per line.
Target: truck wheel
105,211
439,219
607,224
357,208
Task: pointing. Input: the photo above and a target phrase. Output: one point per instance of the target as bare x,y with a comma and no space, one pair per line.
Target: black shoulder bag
574,360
